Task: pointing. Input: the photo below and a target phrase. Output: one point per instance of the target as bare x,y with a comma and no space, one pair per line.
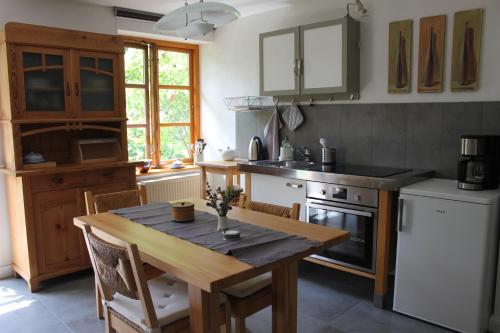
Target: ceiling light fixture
358,6
196,19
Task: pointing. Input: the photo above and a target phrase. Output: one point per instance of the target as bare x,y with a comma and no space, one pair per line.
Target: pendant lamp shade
196,19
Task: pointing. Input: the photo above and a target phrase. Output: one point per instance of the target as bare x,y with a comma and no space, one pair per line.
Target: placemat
257,246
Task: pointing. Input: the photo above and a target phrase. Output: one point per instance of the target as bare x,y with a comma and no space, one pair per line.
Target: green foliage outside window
174,104
136,143
173,68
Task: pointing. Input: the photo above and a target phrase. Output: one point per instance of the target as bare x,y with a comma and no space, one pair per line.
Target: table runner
257,246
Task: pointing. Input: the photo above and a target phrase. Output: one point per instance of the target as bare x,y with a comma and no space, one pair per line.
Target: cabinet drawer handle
294,185
68,89
58,180
77,92
108,174
400,214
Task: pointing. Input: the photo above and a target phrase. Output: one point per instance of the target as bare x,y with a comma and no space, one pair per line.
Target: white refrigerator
445,263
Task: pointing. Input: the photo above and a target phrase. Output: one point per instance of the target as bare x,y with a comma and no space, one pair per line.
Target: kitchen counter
386,180
366,176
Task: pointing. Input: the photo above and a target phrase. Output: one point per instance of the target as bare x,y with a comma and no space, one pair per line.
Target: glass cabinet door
96,88
43,82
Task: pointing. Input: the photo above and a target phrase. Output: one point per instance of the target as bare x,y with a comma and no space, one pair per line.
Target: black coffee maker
479,169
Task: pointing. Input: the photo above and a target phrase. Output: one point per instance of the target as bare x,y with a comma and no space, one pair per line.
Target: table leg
248,182
204,309
285,299
383,237
203,183
229,178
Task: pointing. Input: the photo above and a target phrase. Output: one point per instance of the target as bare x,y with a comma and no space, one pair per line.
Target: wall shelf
246,103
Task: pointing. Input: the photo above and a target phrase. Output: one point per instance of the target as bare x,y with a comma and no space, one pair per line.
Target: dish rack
245,103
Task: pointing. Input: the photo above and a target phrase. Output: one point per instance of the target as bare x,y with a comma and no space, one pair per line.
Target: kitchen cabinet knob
357,197
108,174
57,180
322,192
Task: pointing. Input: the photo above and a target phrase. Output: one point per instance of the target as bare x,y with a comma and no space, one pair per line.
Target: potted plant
220,201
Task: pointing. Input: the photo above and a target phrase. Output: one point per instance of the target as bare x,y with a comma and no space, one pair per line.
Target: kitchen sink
289,164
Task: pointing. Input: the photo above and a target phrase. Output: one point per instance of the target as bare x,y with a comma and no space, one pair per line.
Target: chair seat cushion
170,300
250,286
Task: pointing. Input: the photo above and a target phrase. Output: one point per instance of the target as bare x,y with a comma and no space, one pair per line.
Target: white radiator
172,188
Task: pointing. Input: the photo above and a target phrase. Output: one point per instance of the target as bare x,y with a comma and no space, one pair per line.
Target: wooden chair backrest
119,269
276,210
101,203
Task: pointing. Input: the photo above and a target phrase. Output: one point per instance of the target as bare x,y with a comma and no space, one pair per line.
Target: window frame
154,125
146,87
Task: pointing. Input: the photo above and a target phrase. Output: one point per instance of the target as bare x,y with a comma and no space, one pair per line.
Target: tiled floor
329,302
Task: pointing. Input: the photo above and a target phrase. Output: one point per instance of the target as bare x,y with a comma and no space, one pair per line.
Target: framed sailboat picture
467,32
400,49
431,54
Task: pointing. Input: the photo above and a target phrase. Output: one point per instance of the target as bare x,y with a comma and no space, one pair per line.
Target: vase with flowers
220,200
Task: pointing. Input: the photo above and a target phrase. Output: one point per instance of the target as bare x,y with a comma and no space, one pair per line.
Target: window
162,98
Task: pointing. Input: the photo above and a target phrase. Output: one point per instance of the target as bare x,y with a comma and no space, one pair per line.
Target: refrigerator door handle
400,214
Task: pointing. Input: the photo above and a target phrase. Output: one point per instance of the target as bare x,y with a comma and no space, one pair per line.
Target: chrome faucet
305,153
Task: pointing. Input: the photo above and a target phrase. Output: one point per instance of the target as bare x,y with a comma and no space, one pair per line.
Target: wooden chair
101,203
253,295
130,303
104,202
291,213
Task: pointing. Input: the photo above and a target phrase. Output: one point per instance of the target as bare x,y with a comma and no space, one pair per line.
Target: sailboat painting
431,54
467,32
400,50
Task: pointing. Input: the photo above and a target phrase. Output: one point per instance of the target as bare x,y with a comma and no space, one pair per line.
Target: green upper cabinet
279,62
315,59
96,84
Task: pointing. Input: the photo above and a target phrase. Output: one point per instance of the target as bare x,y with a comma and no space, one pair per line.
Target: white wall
59,13
230,65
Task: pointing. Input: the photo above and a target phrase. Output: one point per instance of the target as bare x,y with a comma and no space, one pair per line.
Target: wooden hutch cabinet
62,96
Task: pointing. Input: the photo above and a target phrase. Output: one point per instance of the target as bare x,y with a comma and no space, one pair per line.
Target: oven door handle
341,210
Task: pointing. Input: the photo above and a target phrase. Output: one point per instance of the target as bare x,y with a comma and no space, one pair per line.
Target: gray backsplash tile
414,135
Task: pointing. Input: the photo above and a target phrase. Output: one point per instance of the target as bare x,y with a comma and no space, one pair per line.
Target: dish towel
272,135
292,117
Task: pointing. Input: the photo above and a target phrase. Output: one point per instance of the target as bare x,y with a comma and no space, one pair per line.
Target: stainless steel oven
350,208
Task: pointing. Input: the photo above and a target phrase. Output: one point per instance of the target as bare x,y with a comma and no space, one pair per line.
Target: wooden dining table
207,272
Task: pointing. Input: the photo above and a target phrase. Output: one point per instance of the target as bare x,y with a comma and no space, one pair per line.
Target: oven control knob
357,197
322,192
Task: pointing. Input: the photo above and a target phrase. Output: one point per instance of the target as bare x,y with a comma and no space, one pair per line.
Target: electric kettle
255,149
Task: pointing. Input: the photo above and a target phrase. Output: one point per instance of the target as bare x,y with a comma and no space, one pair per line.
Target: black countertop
383,178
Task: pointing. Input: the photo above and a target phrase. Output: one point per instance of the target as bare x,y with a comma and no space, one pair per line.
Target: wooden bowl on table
182,211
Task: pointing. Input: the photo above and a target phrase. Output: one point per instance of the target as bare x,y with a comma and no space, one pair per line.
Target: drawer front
106,176
79,179
279,191
57,181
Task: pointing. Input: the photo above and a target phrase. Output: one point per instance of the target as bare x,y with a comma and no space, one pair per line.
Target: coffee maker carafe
479,169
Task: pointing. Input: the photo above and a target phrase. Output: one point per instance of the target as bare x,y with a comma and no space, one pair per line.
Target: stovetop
338,168
359,170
